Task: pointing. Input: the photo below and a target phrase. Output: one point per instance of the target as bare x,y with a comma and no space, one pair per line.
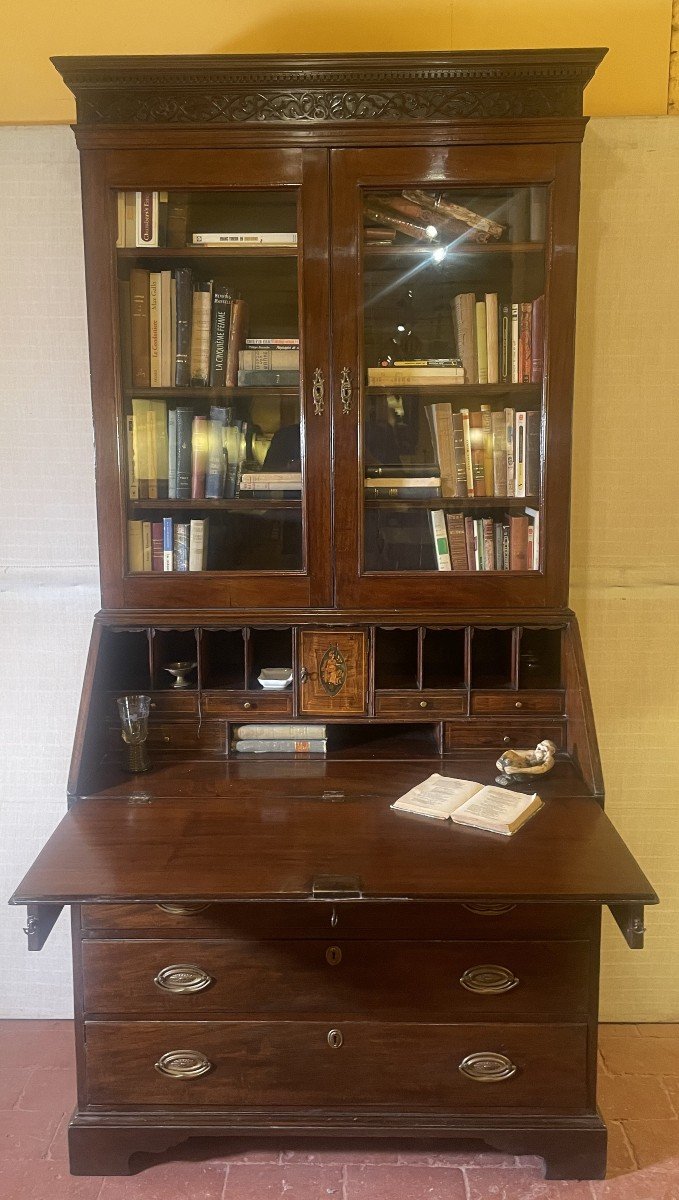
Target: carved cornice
345,89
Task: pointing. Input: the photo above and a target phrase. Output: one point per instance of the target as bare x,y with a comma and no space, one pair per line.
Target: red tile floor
638,1095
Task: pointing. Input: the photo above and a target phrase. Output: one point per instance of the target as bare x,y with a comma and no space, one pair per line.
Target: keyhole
335,1039
333,955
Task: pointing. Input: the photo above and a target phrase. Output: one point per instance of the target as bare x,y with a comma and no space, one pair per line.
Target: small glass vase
134,718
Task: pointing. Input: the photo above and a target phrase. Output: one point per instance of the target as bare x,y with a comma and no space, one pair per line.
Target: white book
515,343
520,455
155,326
469,803
245,239
440,532
166,360
509,434
146,218
271,481
198,545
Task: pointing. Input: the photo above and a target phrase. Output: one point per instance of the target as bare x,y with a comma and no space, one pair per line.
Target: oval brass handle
507,740
346,390
247,704
333,955
488,979
423,703
489,909
335,1039
318,392
183,1064
179,909
518,704
487,1067
181,978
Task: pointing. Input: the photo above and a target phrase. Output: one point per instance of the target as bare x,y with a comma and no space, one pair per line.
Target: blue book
168,544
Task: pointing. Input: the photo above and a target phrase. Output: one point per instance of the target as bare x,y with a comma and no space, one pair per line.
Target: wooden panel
184,735
335,672
517,702
291,1062
500,735
420,704
234,704
392,980
345,919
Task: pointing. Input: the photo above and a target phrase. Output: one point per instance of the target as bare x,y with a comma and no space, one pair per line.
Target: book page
437,796
499,805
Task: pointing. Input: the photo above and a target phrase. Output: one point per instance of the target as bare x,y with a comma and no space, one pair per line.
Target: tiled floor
639,1097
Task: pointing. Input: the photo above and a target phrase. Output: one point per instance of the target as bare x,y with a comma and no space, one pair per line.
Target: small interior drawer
517,702
421,704
234,704
502,735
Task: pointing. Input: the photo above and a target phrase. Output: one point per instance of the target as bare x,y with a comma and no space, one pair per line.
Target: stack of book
167,545
486,453
510,542
414,372
276,485
499,341
179,455
401,483
280,739
269,364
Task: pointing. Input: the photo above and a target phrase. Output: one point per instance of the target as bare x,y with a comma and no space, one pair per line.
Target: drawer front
179,734
334,669
338,1064
499,735
517,702
420,704
343,919
234,704
394,980
179,700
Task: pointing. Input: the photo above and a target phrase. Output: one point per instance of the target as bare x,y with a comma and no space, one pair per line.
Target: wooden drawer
179,734
420,704
517,702
360,919
392,980
293,1063
499,735
179,701
234,704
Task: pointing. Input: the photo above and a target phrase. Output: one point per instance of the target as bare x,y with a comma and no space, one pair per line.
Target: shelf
179,252
457,389
241,504
451,502
454,249
211,393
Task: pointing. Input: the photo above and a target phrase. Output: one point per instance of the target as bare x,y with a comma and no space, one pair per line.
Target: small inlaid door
334,675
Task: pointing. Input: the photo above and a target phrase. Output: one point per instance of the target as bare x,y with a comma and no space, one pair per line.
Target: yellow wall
632,79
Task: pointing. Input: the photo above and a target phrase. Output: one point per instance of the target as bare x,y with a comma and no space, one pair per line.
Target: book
290,732
440,417
271,481
464,322
199,359
139,328
488,543
409,376
533,514
157,563
130,218
520,455
163,204
470,540
272,343
184,420
215,472
219,334
199,452
180,558
172,454
135,549
184,305
173,328
509,439
478,453
487,430
198,544
132,480
155,317
267,378
459,456
505,344
177,220
166,361
537,340
532,466
437,519
499,439
525,345
168,544
518,543
421,487
515,329
481,342
492,333
244,239
467,447
232,442
457,541
158,449
146,218
267,359
146,546
469,803
281,746
236,339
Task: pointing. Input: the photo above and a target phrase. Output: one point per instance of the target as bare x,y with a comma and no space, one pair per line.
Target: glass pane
210,352
453,351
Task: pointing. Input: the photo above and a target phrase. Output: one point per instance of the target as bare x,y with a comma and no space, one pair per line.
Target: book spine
312,733
478,543
146,218
533,515
198,544
157,562
467,440
267,378
492,337
481,341
244,239
172,454
456,541
442,423
163,203
236,340
181,546
182,368
526,354
518,543
515,344
139,332
265,480
478,452
441,548
529,545
281,746
161,447
272,343
487,430
470,541
168,544
198,457
132,480
464,320
200,335
152,451
177,220
215,475
140,446
532,471
537,340
459,456
184,428
377,493
497,544
166,361
221,306
509,439
505,546
488,544
499,435
505,347
155,302
520,455
147,559
268,360
173,329
130,219
135,548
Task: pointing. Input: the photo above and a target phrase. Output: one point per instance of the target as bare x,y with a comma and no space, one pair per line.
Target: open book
469,803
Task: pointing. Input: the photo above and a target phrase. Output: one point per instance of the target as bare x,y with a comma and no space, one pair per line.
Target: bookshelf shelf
453,250
452,502
177,254
240,504
457,390
214,394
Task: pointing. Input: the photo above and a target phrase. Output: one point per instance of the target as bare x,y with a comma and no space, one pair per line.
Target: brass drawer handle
423,704
346,390
333,955
487,1067
178,909
181,978
518,704
335,1039
490,909
183,1064
318,392
488,980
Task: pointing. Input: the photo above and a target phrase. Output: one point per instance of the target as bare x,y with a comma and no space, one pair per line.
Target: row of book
499,341
507,543
167,545
280,739
437,217
486,453
159,218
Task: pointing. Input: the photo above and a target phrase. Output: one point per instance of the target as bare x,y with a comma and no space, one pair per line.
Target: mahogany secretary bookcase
331,310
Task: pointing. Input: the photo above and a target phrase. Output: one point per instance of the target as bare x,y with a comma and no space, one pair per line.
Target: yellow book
481,341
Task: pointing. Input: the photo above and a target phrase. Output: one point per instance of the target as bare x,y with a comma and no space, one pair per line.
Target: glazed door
453,309
208,310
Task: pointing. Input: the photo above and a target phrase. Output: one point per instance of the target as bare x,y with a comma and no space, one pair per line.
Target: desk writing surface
266,831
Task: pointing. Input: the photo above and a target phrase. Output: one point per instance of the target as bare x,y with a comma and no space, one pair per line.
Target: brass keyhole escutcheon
335,1039
333,955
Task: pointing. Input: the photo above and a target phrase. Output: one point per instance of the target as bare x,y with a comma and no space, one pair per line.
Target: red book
157,546
199,454
470,539
537,340
518,544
